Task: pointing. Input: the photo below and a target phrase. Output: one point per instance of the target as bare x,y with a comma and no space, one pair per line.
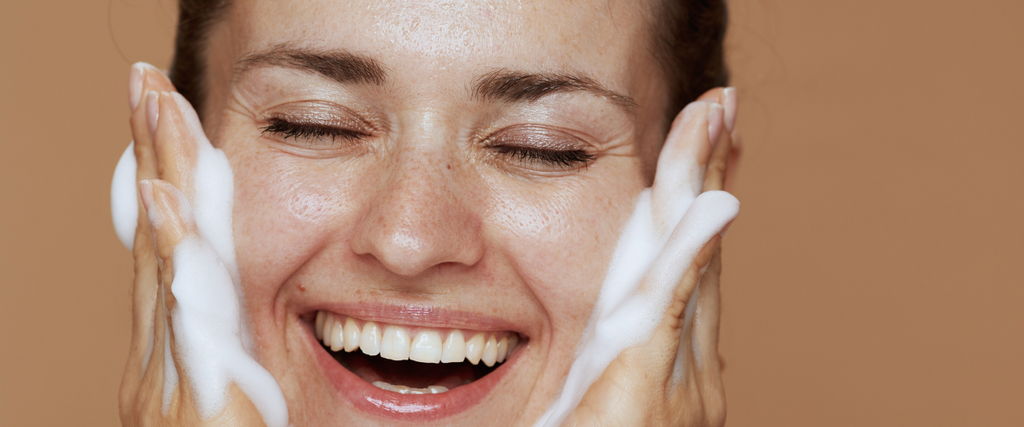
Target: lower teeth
434,389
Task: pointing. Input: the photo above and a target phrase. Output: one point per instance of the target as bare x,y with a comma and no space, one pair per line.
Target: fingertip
135,78
141,78
155,78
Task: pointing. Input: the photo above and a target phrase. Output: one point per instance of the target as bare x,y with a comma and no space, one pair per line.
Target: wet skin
440,198
386,169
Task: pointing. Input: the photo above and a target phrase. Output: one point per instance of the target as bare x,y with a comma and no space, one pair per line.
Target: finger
690,291
145,78
174,141
706,322
707,305
693,240
687,387
683,160
171,219
634,382
730,101
717,166
727,97
143,291
183,154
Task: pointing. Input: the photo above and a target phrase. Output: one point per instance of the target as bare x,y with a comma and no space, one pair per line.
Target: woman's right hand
155,390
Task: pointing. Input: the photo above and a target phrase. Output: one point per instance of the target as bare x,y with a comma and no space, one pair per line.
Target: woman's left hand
641,386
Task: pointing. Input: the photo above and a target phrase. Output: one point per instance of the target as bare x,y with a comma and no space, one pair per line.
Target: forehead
606,39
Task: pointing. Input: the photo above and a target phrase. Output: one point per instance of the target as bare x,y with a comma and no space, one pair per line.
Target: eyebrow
339,65
502,85
515,86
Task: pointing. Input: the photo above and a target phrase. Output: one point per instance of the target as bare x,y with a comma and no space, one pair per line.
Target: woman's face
434,167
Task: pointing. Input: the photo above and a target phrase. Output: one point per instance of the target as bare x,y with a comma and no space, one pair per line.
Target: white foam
210,327
124,203
626,314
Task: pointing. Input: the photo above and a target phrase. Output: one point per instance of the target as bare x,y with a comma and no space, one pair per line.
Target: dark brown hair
688,38
189,65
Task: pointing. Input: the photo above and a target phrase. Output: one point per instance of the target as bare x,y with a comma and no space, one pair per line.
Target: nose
421,216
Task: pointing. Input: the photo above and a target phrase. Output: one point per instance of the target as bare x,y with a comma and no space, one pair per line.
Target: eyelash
567,159
309,131
564,159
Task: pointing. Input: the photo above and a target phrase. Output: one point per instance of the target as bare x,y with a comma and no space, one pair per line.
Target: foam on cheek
210,328
208,334
627,314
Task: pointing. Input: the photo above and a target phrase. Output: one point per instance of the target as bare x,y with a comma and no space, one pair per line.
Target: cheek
560,243
283,214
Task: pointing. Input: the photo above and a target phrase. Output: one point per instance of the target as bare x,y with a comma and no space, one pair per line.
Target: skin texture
421,211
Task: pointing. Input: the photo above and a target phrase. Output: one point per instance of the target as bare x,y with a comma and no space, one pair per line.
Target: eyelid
549,147
322,113
556,139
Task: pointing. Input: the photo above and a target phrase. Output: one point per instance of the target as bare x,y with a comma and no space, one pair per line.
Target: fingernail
146,194
152,111
715,115
730,102
135,85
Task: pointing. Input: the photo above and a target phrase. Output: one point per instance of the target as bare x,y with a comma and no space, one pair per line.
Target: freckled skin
424,215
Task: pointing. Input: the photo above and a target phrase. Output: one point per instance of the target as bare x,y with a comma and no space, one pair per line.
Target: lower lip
404,407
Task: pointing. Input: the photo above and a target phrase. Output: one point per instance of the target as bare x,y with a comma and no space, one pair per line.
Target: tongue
408,373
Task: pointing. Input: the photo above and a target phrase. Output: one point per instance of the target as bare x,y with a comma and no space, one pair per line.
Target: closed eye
310,132
540,148
562,159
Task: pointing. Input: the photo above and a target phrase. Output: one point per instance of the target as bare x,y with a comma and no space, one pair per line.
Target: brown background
874,278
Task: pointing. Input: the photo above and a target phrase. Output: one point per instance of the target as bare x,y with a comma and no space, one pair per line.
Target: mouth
409,372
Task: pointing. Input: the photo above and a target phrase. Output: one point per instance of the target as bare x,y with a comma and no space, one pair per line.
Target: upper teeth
424,345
